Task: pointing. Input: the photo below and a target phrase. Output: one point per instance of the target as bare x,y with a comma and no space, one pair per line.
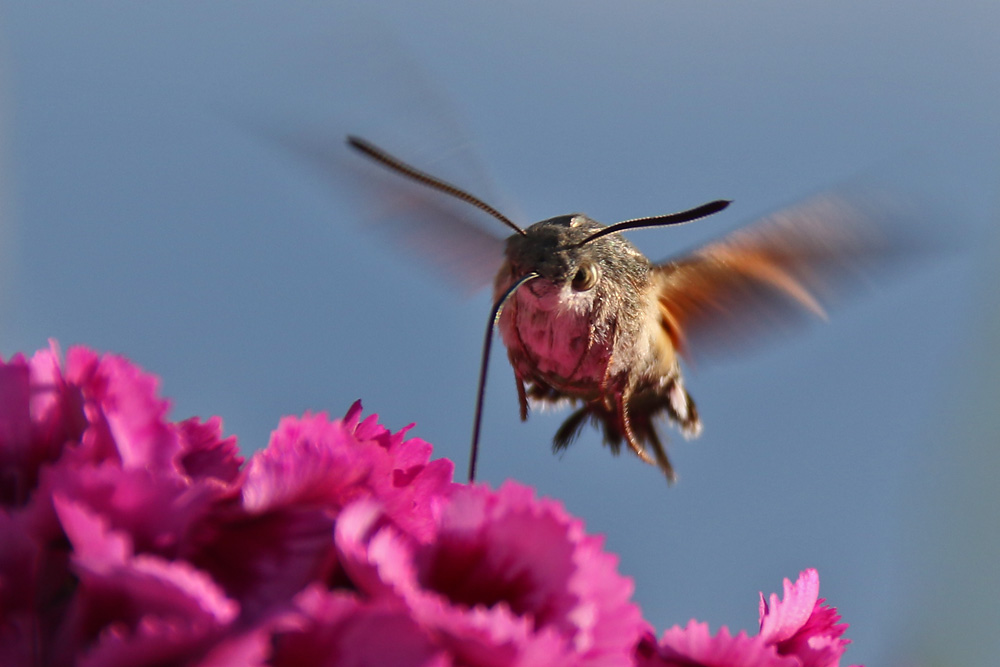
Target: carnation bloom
509,579
798,631
101,496
127,538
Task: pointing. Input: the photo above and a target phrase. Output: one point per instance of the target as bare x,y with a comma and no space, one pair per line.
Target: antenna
660,220
400,167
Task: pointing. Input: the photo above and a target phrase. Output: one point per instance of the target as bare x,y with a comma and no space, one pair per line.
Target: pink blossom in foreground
509,578
798,631
126,538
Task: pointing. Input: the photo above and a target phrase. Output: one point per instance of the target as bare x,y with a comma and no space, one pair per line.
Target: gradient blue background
141,212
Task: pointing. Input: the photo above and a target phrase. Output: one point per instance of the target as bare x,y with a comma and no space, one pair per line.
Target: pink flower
694,646
509,579
279,538
801,625
90,446
39,413
133,608
798,631
337,628
127,538
312,461
125,535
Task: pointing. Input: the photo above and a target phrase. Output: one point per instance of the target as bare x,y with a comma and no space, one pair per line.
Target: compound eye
586,277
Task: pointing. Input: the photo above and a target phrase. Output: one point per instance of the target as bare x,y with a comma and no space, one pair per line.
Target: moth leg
522,398
570,429
627,430
682,409
662,460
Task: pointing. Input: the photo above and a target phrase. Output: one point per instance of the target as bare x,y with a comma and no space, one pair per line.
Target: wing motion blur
759,280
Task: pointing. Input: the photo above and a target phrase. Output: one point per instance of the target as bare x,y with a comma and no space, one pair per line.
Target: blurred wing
449,236
356,78
780,271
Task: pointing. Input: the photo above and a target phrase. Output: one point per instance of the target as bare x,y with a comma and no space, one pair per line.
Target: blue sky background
146,209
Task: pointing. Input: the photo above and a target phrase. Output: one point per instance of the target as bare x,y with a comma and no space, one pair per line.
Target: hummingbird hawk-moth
587,318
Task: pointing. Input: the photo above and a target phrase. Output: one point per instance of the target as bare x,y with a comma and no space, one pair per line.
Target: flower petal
206,454
509,578
129,609
695,646
338,629
801,625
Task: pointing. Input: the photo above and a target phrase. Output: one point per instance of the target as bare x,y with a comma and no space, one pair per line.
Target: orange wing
758,280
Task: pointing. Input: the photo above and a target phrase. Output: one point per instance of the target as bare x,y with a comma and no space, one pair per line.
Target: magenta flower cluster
128,539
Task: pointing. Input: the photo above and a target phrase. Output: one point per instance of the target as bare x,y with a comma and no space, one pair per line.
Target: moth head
572,270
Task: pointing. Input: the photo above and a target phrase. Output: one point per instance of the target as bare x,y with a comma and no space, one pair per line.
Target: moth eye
586,277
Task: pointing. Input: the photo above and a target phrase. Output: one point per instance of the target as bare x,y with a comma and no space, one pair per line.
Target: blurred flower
127,539
799,631
801,625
